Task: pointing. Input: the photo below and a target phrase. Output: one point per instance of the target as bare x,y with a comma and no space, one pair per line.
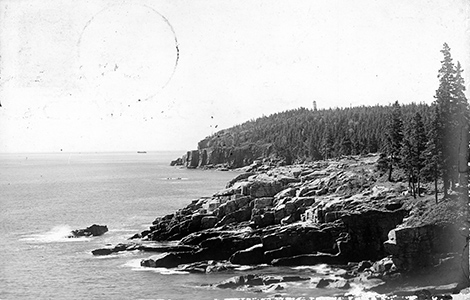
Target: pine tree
327,142
433,152
412,152
394,137
453,108
418,141
462,130
407,154
444,99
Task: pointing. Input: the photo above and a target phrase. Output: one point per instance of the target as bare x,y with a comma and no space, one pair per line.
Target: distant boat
141,151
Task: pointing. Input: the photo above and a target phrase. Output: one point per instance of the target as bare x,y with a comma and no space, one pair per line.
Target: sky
144,75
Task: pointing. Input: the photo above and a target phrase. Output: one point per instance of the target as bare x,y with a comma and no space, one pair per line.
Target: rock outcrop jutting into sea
209,155
93,230
336,212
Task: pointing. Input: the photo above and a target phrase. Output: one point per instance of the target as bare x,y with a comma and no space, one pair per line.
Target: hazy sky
104,75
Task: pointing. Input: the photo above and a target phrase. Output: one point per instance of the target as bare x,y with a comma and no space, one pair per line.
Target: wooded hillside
426,141
305,134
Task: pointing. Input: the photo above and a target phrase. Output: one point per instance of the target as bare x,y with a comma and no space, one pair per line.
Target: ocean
45,196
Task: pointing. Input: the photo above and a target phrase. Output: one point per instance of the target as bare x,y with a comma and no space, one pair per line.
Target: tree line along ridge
428,141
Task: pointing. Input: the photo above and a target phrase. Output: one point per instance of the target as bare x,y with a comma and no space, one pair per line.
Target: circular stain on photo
128,52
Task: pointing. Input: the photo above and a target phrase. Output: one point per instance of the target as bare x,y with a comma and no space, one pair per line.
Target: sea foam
134,264
60,233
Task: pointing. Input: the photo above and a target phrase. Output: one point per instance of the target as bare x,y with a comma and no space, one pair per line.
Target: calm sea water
44,196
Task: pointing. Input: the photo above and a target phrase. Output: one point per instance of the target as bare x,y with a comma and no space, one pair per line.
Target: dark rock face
368,231
416,248
356,237
223,247
177,162
303,239
93,230
170,260
209,154
191,160
233,157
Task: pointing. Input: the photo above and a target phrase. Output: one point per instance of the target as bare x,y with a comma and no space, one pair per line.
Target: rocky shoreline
336,212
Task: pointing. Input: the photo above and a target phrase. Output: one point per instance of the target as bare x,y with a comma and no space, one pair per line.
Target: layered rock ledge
336,212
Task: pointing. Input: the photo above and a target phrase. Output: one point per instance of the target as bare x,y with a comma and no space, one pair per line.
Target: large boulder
232,205
266,187
93,230
417,248
170,260
238,216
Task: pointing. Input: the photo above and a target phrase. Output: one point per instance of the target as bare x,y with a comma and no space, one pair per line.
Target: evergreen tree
444,99
453,108
412,152
462,130
417,143
394,137
407,154
327,143
433,152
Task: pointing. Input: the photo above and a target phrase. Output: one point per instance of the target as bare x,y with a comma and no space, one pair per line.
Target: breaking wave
134,264
60,233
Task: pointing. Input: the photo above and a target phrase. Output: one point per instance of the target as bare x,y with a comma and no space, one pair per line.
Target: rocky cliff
337,212
223,156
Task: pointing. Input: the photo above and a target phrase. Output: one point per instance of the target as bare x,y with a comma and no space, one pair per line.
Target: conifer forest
428,140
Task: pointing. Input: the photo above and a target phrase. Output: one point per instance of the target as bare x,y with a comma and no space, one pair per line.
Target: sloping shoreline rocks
334,212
